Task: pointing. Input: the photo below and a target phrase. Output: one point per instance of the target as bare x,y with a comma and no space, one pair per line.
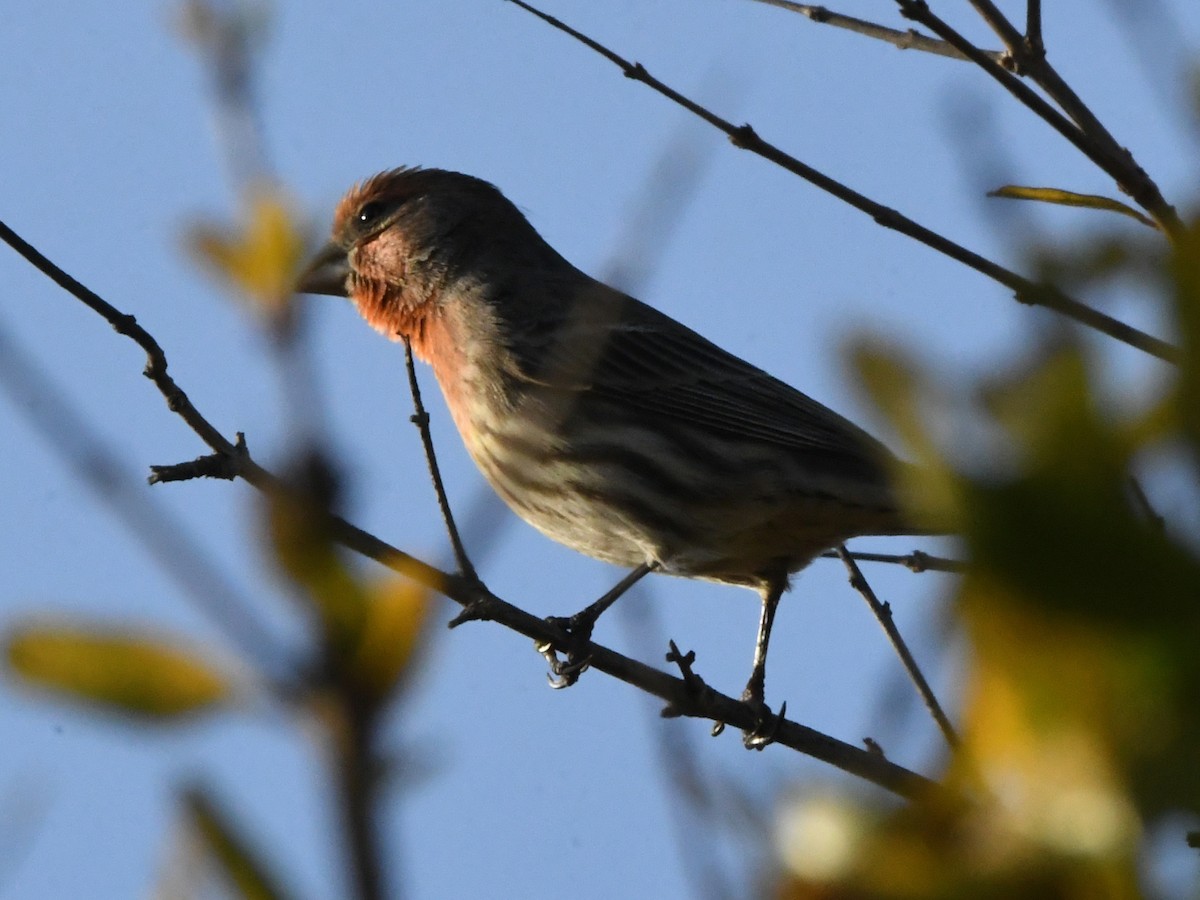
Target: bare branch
167,542
883,613
999,23
210,465
908,39
1082,129
744,137
421,419
918,561
479,602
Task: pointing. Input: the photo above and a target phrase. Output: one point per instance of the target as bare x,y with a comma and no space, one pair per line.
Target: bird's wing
619,349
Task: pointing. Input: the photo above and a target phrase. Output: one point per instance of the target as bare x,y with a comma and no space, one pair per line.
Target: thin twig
1025,56
676,692
89,456
421,419
1082,129
917,561
744,137
907,39
123,324
999,23
883,614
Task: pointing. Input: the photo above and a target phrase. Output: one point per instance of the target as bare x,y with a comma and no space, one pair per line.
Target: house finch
605,424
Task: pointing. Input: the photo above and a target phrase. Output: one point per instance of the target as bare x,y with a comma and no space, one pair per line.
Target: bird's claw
565,672
766,725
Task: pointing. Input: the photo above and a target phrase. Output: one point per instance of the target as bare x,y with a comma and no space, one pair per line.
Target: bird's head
409,241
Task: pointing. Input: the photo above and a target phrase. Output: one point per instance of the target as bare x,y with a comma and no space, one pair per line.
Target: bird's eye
370,213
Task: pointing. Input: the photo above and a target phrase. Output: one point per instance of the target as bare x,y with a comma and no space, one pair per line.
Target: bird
606,424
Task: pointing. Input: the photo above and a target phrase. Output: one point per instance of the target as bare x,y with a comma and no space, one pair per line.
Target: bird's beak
326,273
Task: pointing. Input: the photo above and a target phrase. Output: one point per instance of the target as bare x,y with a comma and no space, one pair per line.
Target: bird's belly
596,510
549,495
627,497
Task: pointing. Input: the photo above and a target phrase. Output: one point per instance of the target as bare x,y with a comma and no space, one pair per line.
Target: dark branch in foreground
745,138
682,697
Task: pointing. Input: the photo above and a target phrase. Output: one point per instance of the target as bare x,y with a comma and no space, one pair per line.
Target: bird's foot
766,723
578,628
565,672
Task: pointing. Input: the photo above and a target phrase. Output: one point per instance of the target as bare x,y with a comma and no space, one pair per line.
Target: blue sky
110,153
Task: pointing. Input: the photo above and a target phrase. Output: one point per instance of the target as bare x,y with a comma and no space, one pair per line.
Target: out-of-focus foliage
137,674
244,874
260,257
369,628
1081,724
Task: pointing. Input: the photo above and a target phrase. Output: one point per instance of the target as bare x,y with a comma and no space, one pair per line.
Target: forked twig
907,39
883,614
678,694
917,561
1079,126
91,459
744,137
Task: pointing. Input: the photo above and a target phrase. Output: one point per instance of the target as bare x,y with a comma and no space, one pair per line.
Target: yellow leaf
397,610
134,674
298,532
1070,198
1051,704
261,256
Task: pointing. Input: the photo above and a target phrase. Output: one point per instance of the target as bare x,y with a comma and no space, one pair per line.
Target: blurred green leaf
1070,198
1083,699
1063,532
928,488
1184,274
245,873
134,674
1083,615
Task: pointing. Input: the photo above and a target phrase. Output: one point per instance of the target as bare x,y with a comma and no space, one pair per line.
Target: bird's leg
579,628
764,731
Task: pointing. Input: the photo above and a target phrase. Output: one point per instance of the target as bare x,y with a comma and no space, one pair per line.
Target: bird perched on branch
605,424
